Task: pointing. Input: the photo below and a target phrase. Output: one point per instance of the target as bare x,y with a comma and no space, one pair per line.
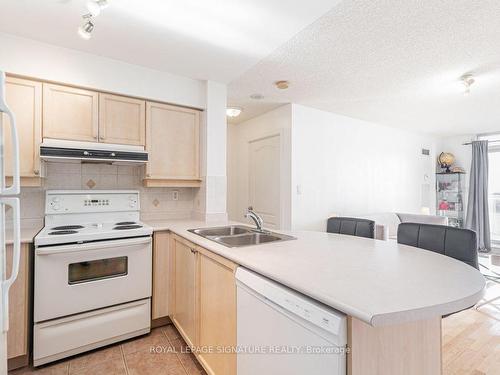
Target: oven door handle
92,246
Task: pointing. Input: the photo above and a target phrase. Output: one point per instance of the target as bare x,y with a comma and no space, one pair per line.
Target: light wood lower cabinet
19,307
204,304
216,313
161,276
24,98
184,291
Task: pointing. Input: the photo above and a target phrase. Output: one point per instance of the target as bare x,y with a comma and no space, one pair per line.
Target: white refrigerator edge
8,198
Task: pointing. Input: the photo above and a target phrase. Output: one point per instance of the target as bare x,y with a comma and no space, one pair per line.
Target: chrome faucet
259,222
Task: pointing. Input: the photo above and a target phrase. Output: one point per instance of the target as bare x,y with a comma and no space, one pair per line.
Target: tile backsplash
156,203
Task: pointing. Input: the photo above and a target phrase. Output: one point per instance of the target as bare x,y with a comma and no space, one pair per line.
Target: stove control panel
61,202
96,202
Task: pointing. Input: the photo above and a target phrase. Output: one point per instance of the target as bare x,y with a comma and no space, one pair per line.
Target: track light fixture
85,30
467,80
94,7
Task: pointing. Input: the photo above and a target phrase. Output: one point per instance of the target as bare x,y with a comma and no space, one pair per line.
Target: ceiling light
256,96
467,80
233,111
282,85
95,6
85,31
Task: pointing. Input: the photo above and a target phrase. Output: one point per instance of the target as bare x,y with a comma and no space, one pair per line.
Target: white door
264,179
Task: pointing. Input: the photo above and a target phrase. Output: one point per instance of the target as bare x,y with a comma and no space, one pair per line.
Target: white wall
345,166
277,121
40,60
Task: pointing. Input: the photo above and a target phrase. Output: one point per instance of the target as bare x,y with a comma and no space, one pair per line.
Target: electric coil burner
93,268
62,232
68,227
127,227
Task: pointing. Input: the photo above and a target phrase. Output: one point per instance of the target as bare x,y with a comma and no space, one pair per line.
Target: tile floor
132,357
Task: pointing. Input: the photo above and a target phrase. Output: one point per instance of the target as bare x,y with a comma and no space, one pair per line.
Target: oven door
71,279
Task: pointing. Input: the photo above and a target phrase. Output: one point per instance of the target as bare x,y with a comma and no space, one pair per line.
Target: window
84,272
494,184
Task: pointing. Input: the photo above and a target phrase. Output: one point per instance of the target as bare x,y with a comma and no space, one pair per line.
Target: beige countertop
379,282
28,233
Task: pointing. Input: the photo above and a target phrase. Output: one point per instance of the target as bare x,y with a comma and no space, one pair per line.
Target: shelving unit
450,197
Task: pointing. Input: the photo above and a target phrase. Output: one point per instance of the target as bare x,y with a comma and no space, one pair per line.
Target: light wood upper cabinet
217,312
24,98
70,113
19,330
122,120
161,275
172,142
184,292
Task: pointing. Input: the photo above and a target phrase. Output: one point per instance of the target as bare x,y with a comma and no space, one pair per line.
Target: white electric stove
93,268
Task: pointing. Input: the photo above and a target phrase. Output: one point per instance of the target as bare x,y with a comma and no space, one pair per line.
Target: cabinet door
172,142
217,312
184,309
17,336
69,113
161,275
24,98
122,120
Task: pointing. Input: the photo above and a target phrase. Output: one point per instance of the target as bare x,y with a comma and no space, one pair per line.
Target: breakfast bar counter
394,295
378,282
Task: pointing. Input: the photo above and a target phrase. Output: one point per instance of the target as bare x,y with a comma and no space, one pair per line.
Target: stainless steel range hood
62,150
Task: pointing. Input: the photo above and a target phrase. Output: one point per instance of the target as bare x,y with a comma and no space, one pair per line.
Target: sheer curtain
478,218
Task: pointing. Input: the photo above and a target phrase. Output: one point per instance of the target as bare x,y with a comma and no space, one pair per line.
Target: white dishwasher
281,331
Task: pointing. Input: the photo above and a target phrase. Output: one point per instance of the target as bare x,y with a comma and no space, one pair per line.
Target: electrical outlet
175,195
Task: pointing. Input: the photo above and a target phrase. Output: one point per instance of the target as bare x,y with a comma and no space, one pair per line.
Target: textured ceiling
201,39
393,62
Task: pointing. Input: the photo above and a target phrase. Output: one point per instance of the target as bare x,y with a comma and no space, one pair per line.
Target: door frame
285,173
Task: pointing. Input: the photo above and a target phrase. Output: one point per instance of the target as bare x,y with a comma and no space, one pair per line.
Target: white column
210,201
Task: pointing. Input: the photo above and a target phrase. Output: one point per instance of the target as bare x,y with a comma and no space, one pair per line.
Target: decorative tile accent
91,184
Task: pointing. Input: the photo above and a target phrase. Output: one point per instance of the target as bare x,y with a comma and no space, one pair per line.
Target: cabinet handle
36,172
193,251
148,175
102,137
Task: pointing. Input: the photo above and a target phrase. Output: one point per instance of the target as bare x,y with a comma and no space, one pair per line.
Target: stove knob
55,199
132,204
56,207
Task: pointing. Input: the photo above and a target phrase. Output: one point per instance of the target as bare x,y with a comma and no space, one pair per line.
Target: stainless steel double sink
239,235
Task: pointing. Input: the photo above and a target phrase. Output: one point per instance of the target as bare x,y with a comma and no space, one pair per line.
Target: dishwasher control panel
294,302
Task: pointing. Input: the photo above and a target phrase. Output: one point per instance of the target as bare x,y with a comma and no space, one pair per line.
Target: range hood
61,150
